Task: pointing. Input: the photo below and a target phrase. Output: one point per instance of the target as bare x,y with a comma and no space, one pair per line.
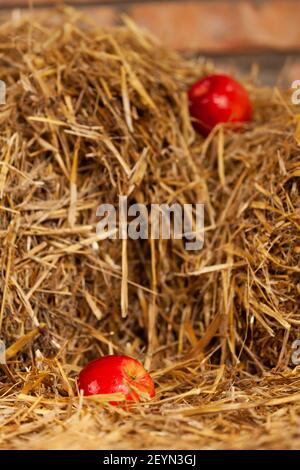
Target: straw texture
92,114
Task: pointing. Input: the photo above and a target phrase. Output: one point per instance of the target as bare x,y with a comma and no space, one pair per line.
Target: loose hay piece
92,114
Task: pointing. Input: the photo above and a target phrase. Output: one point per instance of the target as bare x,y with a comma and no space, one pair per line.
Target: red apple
116,374
218,98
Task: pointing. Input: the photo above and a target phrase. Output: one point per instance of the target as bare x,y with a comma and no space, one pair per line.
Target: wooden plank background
267,31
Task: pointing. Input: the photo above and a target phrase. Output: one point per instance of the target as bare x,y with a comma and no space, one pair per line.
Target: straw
92,114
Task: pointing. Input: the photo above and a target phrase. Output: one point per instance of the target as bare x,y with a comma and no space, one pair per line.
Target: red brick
223,25
103,16
37,3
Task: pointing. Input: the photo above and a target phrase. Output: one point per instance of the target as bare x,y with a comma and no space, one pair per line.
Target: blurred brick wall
203,25
267,29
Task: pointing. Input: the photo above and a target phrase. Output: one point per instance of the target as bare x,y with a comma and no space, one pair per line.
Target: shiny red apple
116,374
218,98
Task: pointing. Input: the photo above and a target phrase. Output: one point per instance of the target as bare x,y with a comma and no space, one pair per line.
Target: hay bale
93,114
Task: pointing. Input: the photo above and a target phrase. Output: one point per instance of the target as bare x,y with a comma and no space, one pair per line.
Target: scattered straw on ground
93,114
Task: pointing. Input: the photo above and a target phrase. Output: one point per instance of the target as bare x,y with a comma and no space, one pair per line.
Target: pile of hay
93,114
